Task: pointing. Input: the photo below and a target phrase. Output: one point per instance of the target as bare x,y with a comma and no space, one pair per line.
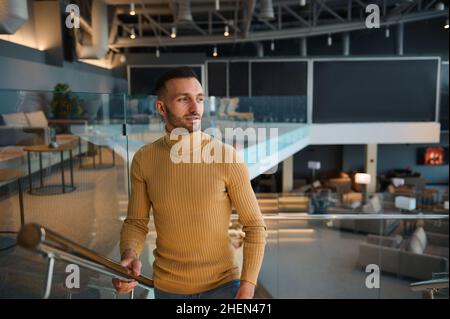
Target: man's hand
246,290
130,261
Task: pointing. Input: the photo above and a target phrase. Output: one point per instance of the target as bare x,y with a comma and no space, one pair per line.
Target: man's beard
177,121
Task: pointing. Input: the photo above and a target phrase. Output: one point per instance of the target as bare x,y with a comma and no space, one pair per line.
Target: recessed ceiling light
226,33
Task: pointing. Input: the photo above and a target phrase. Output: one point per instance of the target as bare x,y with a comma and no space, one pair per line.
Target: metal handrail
430,284
353,216
54,246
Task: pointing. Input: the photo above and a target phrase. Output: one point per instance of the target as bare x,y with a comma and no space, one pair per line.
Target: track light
330,40
446,24
272,46
123,59
133,34
217,5
157,53
303,3
215,51
173,35
226,33
387,32
132,9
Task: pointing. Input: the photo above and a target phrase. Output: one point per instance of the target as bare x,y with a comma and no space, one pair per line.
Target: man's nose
194,106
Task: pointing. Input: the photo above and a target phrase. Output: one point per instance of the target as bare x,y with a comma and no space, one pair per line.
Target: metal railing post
49,275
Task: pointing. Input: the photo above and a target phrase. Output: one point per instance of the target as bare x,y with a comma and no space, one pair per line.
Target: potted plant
64,103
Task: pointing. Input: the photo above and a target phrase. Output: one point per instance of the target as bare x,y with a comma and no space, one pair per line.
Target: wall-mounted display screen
433,156
391,90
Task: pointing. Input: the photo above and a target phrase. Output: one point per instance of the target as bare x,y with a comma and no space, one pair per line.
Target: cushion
415,246
373,206
418,241
341,185
406,203
376,203
396,241
15,119
37,119
420,233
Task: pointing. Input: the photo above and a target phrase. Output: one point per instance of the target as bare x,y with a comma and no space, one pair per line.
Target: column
371,166
288,175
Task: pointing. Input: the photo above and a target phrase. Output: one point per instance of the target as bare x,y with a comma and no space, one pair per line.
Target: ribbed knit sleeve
135,227
244,200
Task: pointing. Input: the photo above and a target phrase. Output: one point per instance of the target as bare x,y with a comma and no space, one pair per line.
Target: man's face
182,104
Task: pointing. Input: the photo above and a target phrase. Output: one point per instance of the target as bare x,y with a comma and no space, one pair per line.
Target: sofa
374,205
341,185
396,255
15,134
18,130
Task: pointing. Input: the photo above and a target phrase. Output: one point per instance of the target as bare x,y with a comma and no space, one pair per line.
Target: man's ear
161,108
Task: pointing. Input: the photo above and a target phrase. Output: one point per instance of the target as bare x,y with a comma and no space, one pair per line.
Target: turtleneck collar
196,139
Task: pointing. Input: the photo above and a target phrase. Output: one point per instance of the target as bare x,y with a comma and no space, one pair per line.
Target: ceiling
203,22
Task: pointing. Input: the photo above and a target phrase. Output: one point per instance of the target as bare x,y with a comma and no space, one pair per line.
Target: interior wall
330,157
24,68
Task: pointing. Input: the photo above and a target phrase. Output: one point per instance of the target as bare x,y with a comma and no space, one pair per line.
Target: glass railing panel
329,243
77,186
324,256
23,275
263,144
262,109
92,285
414,250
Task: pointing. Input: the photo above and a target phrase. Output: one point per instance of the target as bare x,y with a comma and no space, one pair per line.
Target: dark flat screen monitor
388,90
432,156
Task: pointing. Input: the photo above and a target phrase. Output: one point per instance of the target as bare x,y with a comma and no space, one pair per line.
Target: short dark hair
173,73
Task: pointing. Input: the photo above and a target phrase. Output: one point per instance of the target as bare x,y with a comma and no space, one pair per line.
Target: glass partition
339,257
261,109
326,245
63,164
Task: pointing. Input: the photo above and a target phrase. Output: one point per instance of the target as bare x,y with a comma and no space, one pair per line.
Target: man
192,202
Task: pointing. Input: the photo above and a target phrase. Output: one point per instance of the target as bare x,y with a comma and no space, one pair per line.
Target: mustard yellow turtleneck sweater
192,205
